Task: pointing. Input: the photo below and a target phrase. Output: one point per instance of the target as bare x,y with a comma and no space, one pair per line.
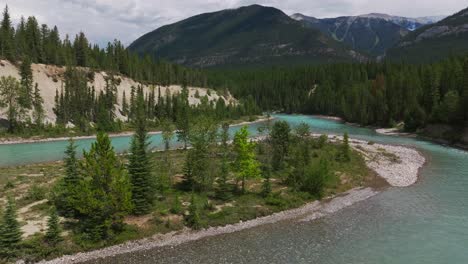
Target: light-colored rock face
50,79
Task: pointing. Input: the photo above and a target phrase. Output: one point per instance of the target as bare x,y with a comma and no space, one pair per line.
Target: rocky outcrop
50,79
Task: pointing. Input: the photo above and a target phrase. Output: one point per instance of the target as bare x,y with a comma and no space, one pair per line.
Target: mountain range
435,41
257,35
253,35
371,33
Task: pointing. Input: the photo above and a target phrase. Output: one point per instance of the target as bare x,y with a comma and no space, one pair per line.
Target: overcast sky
105,20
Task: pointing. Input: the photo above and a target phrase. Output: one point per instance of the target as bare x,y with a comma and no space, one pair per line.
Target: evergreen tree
104,191
345,149
139,166
279,138
183,119
315,178
167,133
246,165
125,110
10,232
202,137
53,233
266,186
223,187
7,49
193,218
65,195
26,94
38,113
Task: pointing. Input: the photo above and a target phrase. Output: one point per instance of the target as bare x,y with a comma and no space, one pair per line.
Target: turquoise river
424,223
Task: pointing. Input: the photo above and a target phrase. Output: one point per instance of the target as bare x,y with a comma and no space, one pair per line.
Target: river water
424,223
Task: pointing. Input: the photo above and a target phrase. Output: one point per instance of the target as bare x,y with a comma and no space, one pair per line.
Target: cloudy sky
105,20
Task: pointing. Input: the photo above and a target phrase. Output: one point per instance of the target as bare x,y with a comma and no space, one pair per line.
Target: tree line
369,94
40,43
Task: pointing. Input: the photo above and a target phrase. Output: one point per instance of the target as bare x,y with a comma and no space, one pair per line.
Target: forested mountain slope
434,42
252,35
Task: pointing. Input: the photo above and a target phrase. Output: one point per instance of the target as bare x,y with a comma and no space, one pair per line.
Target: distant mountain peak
249,35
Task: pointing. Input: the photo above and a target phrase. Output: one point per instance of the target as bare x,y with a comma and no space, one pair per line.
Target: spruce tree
266,186
26,95
10,232
7,50
223,187
183,118
279,139
53,233
139,166
193,218
38,113
103,192
345,148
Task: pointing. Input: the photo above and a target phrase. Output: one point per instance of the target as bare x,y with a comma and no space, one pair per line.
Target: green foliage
315,178
139,166
202,137
280,140
345,154
245,164
103,195
224,192
193,218
65,192
35,193
266,186
53,233
176,205
26,93
10,97
10,233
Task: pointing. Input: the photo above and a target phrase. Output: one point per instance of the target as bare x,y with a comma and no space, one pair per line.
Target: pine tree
53,233
124,105
266,186
279,139
183,118
7,49
10,232
139,166
193,218
223,187
38,113
103,192
345,149
66,193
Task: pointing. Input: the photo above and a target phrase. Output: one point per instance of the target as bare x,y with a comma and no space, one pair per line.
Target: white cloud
104,20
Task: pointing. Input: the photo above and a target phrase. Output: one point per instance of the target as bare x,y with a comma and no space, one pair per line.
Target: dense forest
77,103
43,44
369,94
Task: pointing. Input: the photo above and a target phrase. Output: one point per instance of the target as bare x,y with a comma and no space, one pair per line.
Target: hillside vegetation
252,35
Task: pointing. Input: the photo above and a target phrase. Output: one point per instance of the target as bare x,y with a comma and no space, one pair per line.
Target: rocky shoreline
398,165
